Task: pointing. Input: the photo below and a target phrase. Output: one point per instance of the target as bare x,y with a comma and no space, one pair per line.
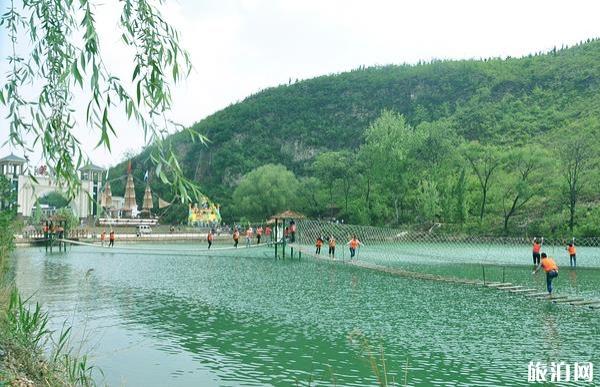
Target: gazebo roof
12,158
289,214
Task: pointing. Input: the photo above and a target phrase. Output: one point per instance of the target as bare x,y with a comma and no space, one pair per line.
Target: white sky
239,47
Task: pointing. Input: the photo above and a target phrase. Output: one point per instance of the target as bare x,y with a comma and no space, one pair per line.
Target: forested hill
505,102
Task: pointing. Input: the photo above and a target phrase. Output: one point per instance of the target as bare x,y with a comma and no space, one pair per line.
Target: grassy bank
31,354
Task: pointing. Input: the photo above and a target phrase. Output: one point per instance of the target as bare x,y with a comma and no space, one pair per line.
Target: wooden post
503,267
483,268
284,241
276,241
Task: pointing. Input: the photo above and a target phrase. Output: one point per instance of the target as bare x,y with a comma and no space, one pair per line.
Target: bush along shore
31,354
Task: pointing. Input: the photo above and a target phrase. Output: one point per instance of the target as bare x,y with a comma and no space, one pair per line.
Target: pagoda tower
130,206
147,206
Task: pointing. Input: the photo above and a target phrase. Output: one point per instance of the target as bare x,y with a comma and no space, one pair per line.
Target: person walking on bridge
319,244
354,244
209,238
537,246
551,269
572,255
236,237
259,232
331,247
249,233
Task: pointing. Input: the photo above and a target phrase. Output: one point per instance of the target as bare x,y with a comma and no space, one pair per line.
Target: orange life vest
536,247
353,243
209,237
332,242
319,243
571,250
548,264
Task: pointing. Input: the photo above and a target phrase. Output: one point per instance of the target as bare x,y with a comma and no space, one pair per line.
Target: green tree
577,149
429,201
484,160
54,199
387,143
332,168
266,191
522,180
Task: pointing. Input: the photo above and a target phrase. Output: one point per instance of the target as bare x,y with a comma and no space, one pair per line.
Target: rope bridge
484,261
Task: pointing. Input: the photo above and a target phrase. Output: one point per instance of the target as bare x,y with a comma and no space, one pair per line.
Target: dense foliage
502,146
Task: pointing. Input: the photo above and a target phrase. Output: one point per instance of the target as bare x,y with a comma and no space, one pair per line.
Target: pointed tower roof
147,199
130,201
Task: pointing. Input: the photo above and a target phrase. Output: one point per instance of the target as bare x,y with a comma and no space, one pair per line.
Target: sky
239,47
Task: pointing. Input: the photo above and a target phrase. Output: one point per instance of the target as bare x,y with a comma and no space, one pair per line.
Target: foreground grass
30,353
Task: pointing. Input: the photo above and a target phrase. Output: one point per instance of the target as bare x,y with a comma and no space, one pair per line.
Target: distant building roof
12,158
91,167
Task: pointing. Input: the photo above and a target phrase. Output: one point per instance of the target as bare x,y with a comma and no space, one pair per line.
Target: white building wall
30,191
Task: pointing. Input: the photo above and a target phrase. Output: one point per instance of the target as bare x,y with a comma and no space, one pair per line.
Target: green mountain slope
496,101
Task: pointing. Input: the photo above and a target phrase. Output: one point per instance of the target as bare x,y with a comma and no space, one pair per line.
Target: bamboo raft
501,286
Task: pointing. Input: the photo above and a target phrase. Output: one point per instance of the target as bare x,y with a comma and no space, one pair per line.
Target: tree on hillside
577,150
64,56
387,143
522,180
484,160
266,191
331,168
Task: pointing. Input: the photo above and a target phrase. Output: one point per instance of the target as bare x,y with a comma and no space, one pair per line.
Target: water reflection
256,321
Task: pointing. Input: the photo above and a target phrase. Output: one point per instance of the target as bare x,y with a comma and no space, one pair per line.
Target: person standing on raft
572,256
536,251
354,244
551,269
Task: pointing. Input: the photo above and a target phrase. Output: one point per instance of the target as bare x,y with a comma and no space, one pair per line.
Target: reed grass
31,354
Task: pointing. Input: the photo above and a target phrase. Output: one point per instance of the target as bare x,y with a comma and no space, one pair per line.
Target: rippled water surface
164,316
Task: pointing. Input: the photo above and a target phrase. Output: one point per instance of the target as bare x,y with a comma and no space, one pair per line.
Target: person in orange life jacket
551,269
259,232
572,256
292,231
249,233
354,244
209,238
536,251
331,247
236,237
103,237
111,238
319,244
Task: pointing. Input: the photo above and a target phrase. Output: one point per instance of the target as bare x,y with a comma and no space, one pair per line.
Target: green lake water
167,317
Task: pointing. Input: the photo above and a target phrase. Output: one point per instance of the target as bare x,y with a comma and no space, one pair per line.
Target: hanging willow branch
56,66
